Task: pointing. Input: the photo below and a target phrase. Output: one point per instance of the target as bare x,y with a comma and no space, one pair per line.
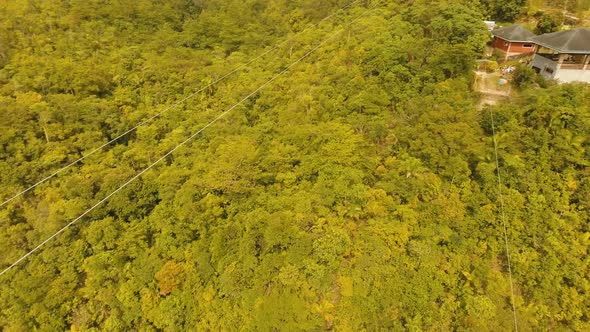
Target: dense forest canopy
355,193
509,10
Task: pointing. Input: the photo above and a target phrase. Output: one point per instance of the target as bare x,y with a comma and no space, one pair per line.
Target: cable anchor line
173,106
505,227
219,117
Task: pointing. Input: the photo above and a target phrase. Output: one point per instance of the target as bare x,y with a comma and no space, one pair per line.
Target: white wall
572,75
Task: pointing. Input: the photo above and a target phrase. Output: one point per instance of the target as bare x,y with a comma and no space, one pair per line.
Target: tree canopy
356,192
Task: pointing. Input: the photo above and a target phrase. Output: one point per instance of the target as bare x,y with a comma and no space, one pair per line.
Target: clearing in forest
492,86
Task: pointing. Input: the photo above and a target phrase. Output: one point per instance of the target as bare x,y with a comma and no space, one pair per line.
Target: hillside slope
357,192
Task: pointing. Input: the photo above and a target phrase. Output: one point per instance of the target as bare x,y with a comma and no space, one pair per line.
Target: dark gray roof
514,33
570,41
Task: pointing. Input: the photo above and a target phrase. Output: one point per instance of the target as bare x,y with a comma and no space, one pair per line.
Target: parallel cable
219,117
150,119
501,197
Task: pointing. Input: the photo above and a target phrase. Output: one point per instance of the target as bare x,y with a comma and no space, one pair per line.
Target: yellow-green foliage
355,193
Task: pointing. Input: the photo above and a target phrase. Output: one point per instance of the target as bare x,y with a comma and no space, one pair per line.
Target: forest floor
489,88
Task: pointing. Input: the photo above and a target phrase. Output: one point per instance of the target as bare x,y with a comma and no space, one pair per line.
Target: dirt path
491,91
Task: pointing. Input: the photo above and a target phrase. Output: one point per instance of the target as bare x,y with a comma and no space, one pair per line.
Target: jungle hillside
349,181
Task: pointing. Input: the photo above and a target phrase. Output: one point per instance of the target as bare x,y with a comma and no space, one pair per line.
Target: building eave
560,50
513,41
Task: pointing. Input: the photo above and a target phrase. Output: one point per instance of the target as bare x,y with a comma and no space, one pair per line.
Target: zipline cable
150,119
219,117
506,243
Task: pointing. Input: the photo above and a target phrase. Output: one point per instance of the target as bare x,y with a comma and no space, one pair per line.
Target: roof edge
560,50
515,40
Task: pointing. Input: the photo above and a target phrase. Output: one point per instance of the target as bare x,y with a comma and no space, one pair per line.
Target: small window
527,45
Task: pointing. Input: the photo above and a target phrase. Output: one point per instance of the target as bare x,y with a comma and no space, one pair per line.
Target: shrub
523,76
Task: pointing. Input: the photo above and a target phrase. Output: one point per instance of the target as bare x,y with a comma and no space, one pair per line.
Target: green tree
523,76
549,22
504,10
